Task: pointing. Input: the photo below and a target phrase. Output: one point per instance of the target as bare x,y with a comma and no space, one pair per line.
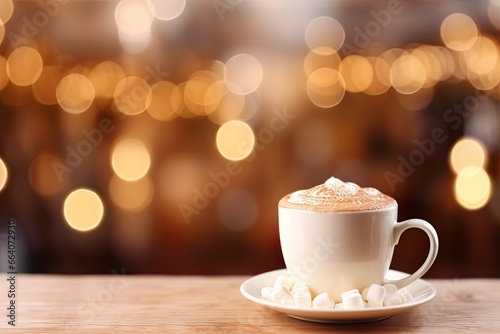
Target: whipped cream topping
336,195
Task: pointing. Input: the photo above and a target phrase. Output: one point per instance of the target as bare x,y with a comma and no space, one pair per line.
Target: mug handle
433,249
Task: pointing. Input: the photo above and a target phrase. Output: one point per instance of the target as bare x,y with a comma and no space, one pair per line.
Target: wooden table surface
213,304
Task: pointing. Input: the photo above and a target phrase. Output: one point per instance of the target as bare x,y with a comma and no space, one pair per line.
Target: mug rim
387,208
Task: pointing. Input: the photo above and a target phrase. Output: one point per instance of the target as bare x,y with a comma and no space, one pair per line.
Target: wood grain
213,304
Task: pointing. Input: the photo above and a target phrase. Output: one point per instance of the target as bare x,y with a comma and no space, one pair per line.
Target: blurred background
158,136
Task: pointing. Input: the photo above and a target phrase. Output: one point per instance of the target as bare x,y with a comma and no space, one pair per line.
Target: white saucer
421,291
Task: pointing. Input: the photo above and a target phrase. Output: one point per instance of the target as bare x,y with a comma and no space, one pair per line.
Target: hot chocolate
337,196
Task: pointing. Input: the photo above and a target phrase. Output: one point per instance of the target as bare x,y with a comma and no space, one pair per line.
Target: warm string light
243,74
24,66
166,10
75,93
466,55
225,92
4,78
133,20
83,210
132,95
473,187
2,31
326,87
324,35
459,32
235,140
6,10
161,106
4,175
130,159
104,77
468,159
467,151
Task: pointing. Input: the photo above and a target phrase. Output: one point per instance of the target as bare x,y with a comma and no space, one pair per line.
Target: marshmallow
323,301
300,287
375,294
302,299
294,280
403,290
390,288
372,304
280,293
392,300
352,300
291,291
406,296
287,302
364,292
266,292
285,281
348,292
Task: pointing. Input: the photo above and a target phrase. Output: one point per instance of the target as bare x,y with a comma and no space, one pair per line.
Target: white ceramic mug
340,251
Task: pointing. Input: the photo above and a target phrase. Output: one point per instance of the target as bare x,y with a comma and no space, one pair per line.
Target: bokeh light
75,93
6,10
459,31
251,111
326,87
235,140
357,73
229,108
487,81
104,77
132,95
494,13
161,106
3,174
83,209
214,95
130,159
408,75
467,151
381,76
166,10
2,31
170,94
446,60
178,101
4,79
243,74
237,210
472,187
24,66
315,60
431,64
324,35
47,174
133,17
196,89
44,89
131,196
483,56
